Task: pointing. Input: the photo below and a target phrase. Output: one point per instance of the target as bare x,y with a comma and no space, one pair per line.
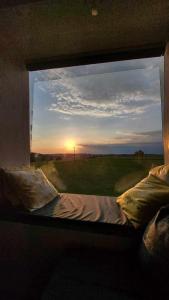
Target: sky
107,108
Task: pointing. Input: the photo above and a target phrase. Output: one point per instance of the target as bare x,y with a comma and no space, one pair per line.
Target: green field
106,175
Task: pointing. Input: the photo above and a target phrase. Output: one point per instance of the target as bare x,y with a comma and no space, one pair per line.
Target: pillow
156,235
154,251
141,202
162,172
29,189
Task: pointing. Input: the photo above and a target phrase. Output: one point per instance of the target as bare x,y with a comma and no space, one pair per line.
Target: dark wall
29,253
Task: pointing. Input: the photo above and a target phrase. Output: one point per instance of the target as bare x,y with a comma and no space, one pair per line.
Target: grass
105,175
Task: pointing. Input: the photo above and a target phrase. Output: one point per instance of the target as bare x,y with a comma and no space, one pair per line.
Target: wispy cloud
100,91
129,138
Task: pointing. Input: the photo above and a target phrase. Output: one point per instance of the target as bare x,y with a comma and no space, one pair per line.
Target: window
97,129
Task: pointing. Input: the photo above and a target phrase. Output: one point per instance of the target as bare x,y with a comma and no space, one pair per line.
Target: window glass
97,129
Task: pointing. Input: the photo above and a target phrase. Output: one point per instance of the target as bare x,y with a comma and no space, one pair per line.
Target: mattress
84,207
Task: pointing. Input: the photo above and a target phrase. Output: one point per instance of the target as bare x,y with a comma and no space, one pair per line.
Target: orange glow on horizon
70,144
66,145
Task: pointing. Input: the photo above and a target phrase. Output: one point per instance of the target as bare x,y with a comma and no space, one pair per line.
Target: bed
85,208
30,192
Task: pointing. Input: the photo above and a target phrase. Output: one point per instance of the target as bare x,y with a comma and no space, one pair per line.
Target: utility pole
74,152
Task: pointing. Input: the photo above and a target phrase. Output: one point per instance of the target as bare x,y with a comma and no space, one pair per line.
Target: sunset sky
103,108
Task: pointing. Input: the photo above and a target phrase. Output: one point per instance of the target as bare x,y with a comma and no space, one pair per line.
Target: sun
70,145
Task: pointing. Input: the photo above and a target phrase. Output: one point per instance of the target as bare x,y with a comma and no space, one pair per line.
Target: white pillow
27,188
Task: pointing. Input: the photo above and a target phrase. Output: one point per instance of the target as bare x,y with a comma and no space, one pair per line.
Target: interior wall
49,29
165,107
14,113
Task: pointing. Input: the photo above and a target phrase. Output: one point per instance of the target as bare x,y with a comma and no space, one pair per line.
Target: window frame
75,60
95,57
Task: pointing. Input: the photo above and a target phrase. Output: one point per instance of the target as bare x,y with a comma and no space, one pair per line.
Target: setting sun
70,144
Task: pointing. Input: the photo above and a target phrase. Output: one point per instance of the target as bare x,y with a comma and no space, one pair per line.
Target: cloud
66,118
129,138
119,89
141,137
148,148
127,143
